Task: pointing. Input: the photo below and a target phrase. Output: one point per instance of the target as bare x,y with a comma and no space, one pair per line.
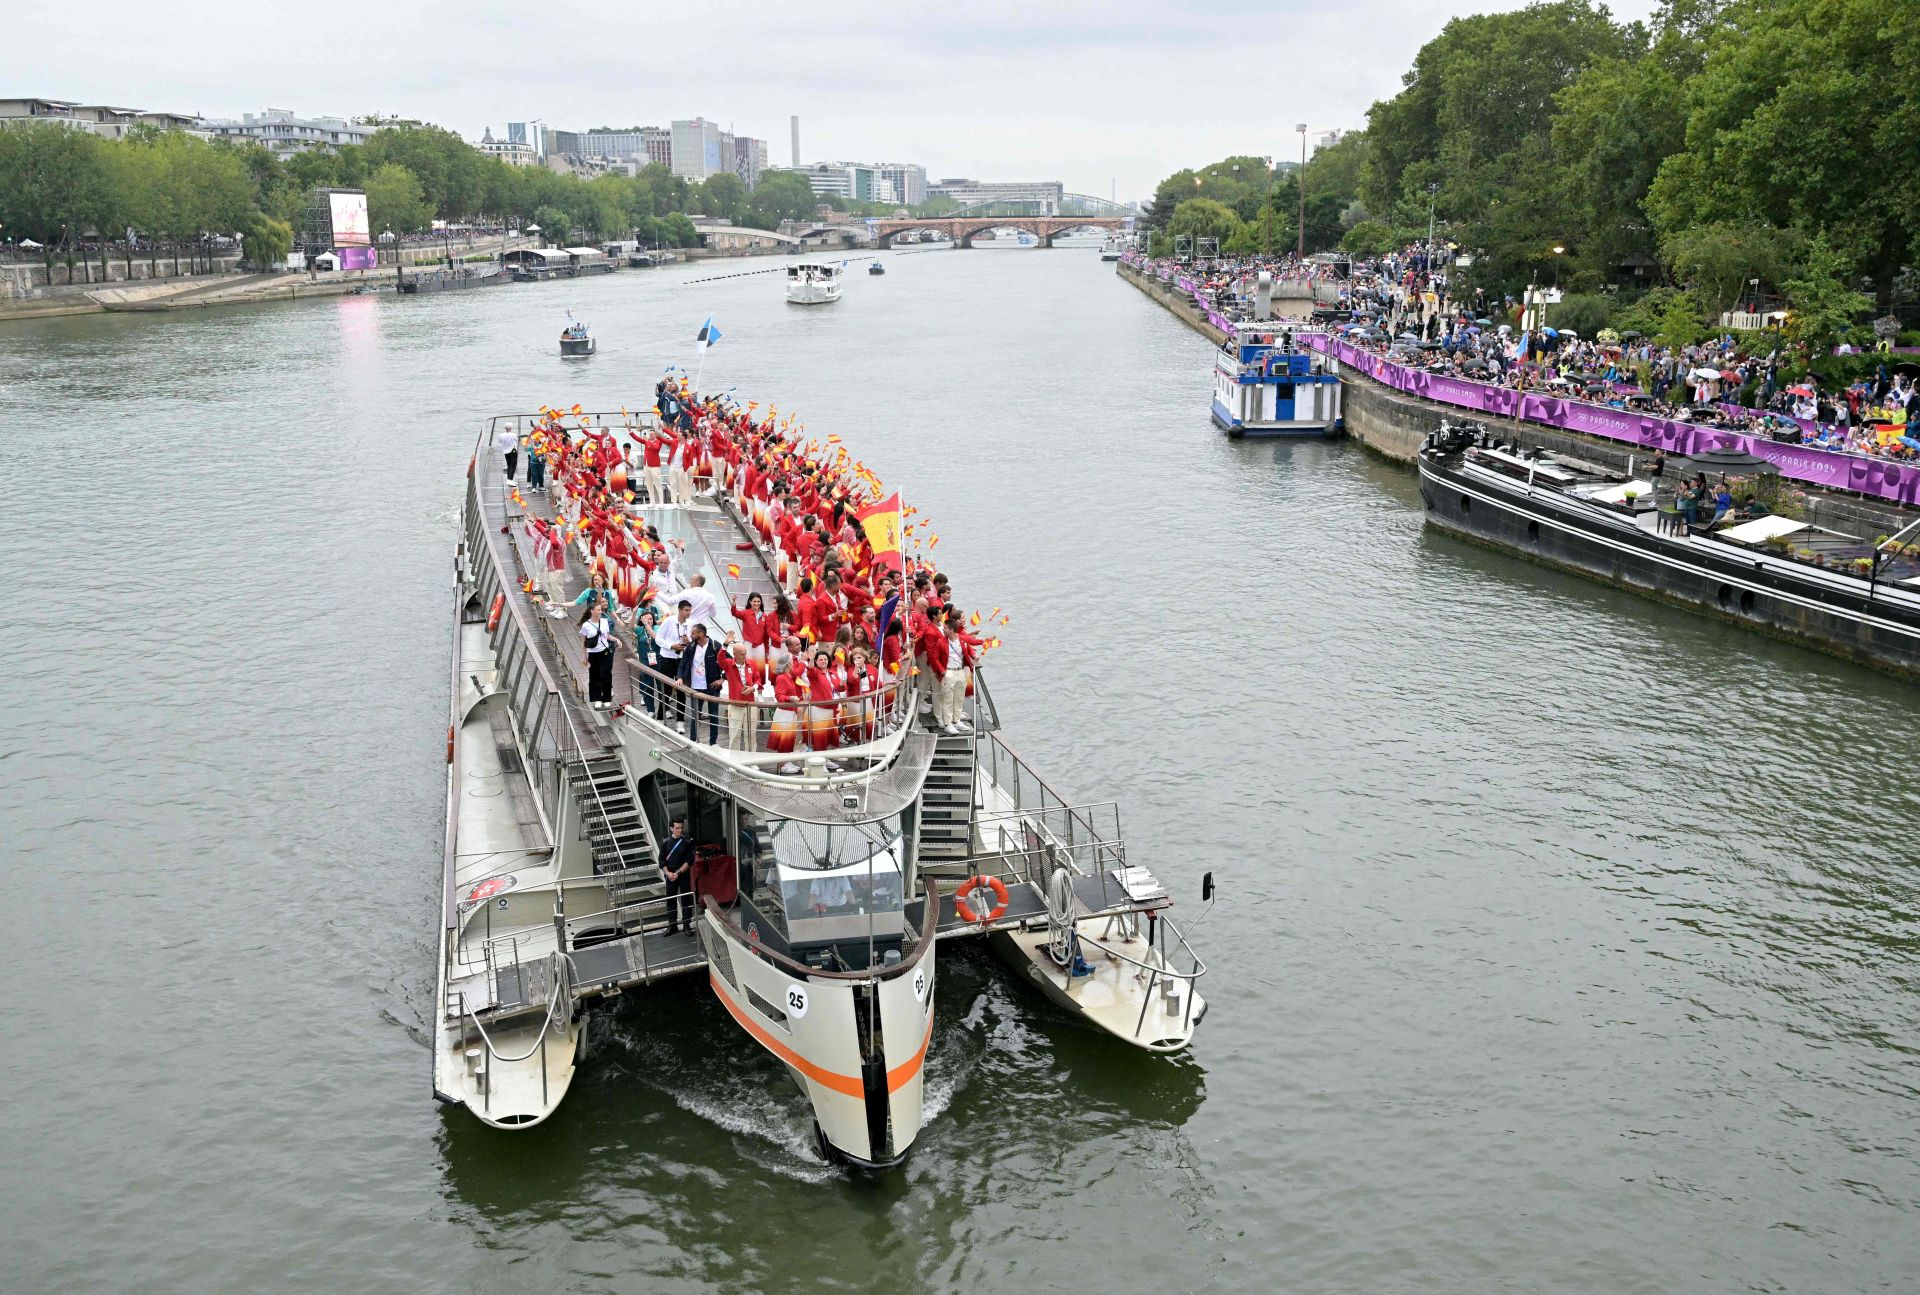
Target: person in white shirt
596,631
706,608
673,638
509,443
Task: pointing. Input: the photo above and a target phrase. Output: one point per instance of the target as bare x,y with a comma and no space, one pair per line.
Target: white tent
29,243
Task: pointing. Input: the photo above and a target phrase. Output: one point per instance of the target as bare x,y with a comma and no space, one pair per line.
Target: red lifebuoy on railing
493,612
964,911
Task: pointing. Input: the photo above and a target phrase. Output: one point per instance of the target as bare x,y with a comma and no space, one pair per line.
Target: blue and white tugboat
1267,384
574,338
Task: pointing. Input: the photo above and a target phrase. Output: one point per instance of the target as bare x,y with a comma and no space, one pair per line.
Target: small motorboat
575,340
876,268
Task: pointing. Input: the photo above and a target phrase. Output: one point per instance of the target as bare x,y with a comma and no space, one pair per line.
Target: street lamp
1433,193
1300,182
1559,250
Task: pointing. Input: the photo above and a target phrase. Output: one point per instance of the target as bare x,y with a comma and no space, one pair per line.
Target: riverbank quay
1393,423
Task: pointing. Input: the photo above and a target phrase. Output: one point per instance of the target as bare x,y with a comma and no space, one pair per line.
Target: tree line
66,189
1718,143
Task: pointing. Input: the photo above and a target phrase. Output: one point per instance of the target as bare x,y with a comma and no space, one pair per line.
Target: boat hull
1820,609
1238,429
582,347
813,294
856,1046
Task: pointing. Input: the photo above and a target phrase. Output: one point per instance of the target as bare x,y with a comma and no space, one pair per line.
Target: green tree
723,195
1803,116
1368,238
677,230
1719,259
267,241
1822,303
780,195
396,201
1204,218
52,182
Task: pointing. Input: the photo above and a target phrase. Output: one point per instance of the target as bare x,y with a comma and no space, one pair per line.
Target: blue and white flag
708,335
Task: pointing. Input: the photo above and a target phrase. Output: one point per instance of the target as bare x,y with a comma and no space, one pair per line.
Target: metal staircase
946,807
615,828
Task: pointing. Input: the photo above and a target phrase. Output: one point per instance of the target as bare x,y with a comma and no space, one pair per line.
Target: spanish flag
881,522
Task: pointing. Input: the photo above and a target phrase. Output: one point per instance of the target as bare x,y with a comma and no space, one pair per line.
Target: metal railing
1095,848
1162,973
559,999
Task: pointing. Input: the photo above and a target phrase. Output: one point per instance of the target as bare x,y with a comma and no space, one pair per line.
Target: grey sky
1097,93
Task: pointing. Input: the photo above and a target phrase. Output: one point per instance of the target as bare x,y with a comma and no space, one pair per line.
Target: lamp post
1266,239
1433,193
1559,250
1300,183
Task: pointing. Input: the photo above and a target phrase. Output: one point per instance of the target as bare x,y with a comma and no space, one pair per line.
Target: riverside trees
1712,145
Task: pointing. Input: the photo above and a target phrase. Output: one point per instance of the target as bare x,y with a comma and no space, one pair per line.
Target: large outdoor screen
350,227
356,258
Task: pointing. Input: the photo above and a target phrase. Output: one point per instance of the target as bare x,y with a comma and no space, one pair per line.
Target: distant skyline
1107,97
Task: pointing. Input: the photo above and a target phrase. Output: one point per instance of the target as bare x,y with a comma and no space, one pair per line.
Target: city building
659,145
517,133
566,141
606,142
696,149
1039,197
749,158
829,179
512,152
899,183
282,133
909,182
105,120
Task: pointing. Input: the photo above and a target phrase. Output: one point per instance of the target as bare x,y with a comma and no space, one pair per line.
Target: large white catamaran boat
823,894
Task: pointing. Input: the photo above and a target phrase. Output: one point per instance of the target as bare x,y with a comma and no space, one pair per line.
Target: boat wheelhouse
826,872
813,283
1266,383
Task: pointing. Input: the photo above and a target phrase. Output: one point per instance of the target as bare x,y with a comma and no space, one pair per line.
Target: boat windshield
821,847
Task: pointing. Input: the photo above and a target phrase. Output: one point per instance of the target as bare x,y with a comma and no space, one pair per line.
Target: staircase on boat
616,829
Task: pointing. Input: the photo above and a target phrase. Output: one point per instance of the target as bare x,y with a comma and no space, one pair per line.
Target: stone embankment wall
1392,424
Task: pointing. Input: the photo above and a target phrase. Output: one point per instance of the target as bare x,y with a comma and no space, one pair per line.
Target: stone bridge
961,229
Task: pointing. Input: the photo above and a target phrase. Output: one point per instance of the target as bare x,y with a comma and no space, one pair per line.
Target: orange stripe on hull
850,1085
907,1069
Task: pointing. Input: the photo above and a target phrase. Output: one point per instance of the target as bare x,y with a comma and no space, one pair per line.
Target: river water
1566,941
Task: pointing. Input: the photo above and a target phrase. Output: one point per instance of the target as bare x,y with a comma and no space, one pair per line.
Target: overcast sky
1102,94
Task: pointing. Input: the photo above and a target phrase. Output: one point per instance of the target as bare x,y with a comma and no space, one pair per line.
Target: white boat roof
1618,494
586,251
1539,467
1761,529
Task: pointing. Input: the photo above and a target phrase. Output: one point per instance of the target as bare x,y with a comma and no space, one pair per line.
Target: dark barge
1838,593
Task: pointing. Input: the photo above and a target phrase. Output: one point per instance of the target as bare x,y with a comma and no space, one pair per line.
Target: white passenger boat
825,878
813,283
1266,384
1110,250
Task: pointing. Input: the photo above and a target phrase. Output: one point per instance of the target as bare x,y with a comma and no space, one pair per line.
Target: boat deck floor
715,539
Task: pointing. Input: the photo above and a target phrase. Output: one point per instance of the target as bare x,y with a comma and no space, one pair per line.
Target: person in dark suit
700,672
676,865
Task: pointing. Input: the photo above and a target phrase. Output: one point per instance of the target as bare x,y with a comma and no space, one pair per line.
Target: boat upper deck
710,539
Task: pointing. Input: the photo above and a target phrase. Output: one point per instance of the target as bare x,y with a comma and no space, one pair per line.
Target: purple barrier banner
1868,476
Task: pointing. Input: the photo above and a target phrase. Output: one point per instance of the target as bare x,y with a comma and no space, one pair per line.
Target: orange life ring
449,744
493,612
964,910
